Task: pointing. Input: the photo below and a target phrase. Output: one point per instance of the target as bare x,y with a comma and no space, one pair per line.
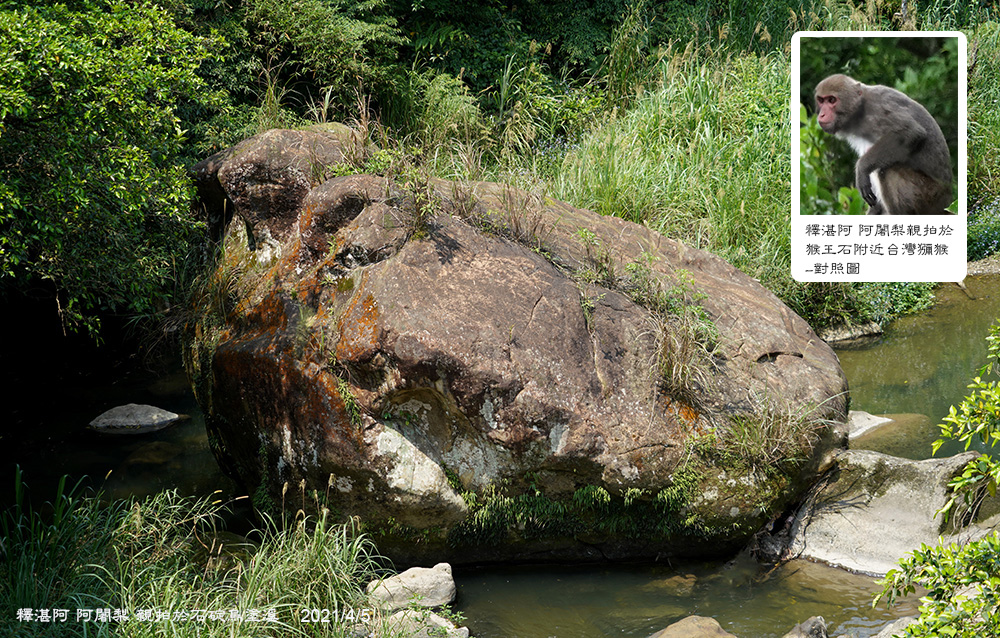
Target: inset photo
880,124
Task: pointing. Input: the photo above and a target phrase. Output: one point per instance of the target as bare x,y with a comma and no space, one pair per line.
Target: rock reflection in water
603,601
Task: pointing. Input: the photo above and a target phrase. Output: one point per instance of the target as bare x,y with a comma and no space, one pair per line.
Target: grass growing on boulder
168,554
770,435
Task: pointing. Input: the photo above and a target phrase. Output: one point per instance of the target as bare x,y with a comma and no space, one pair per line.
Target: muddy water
636,601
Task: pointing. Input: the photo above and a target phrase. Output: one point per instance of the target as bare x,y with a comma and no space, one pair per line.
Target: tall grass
704,159
167,554
692,140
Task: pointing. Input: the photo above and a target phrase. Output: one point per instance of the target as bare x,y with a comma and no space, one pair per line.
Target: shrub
984,231
93,205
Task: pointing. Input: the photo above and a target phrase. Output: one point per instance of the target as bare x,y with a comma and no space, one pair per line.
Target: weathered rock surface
694,627
896,628
482,373
814,627
135,418
420,586
266,177
841,333
874,509
425,624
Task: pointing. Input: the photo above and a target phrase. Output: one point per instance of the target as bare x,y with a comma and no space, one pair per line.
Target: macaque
904,166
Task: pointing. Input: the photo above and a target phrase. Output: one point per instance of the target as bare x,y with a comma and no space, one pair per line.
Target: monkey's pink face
827,106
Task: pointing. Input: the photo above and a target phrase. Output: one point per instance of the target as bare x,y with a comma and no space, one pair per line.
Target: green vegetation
94,206
762,454
770,436
590,512
673,115
169,554
963,580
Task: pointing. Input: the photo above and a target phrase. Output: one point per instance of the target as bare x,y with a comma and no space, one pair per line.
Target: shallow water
636,601
919,368
53,440
922,364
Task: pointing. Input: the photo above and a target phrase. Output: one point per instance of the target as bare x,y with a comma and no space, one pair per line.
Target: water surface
923,364
637,601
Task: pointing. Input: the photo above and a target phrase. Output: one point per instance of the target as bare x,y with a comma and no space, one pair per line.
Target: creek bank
872,509
481,373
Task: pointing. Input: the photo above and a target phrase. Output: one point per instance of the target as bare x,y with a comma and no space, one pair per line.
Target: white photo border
881,268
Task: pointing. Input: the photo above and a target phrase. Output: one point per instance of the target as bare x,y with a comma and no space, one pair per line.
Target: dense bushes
93,202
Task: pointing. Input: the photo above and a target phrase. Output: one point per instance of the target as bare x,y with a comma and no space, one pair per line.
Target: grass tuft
168,554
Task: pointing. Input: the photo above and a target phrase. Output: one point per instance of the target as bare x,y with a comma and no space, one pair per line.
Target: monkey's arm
895,146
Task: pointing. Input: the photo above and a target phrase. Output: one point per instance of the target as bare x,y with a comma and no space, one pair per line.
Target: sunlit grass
168,555
704,159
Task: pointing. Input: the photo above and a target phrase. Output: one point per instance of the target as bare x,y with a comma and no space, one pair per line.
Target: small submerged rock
134,418
679,585
814,627
694,627
860,423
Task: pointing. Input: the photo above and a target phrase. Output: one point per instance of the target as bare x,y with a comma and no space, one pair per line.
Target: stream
918,368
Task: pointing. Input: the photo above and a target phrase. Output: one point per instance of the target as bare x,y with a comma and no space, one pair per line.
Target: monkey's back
899,110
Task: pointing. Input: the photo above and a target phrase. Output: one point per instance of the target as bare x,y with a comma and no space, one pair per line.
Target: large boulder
483,373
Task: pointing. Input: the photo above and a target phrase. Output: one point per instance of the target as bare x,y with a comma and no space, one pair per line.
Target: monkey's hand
864,182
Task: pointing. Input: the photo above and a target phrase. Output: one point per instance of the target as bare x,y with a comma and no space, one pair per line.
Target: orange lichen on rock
359,328
687,417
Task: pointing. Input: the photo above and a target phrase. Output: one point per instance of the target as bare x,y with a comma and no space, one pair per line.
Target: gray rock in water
135,419
694,627
815,627
895,628
420,586
860,423
874,510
